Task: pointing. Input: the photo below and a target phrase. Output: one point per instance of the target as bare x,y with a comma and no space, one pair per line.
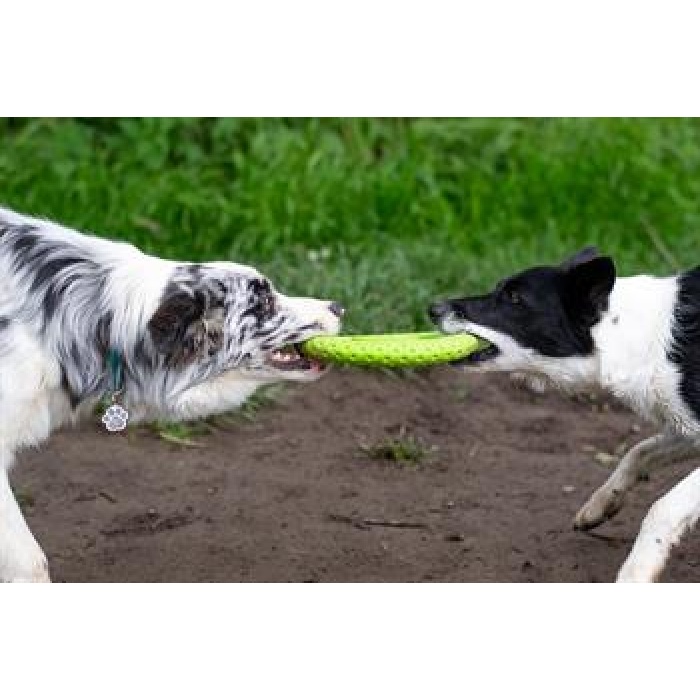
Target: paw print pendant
115,418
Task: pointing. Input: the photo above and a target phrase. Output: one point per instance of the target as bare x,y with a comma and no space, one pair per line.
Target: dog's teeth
285,355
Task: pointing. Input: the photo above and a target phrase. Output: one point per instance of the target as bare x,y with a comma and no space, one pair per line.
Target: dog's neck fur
630,358
632,343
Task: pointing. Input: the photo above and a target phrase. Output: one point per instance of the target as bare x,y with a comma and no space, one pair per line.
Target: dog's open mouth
290,358
487,351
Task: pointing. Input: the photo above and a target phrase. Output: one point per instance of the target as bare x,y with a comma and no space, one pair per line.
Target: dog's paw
535,384
634,571
36,573
603,505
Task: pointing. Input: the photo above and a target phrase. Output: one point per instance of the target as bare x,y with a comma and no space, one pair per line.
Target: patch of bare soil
362,476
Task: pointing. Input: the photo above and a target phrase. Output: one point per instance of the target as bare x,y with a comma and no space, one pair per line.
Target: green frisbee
391,350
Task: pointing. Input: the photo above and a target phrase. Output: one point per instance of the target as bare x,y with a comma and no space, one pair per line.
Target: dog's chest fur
638,343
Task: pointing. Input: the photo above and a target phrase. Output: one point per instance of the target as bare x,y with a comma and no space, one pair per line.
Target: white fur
632,341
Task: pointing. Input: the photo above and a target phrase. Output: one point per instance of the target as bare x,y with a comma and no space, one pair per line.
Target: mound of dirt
362,476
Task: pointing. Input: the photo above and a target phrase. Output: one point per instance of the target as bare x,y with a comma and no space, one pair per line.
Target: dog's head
218,317
535,316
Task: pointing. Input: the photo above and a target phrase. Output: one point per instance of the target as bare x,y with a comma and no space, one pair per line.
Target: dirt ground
300,493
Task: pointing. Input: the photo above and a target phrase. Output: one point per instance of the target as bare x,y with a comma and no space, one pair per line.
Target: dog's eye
513,297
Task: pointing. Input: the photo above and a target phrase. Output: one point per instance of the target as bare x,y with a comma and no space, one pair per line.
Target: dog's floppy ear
588,284
187,326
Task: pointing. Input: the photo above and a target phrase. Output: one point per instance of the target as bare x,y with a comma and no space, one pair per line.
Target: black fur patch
68,389
4,337
685,349
261,304
47,277
184,327
103,331
47,270
23,244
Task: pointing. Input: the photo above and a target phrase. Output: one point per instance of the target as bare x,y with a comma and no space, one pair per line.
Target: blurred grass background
383,214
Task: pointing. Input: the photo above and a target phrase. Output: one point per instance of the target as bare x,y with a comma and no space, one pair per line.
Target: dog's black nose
438,311
337,309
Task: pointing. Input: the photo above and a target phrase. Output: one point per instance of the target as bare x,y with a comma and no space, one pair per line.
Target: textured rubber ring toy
391,350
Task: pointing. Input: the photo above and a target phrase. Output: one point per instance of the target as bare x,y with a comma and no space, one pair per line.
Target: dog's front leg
652,453
21,558
664,525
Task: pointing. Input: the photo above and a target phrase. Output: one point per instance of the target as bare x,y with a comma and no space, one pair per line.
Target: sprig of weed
182,433
403,449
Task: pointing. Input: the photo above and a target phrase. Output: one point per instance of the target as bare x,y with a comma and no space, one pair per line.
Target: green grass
403,449
182,434
384,215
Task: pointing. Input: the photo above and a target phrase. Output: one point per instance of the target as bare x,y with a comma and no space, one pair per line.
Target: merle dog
83,317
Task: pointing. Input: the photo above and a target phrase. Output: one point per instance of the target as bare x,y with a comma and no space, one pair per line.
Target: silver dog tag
115,418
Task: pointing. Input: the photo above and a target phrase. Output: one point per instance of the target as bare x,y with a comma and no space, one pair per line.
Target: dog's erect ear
587,285
186,326
587,254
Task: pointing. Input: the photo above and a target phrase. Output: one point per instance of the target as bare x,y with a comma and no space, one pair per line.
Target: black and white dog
577,326
183,341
